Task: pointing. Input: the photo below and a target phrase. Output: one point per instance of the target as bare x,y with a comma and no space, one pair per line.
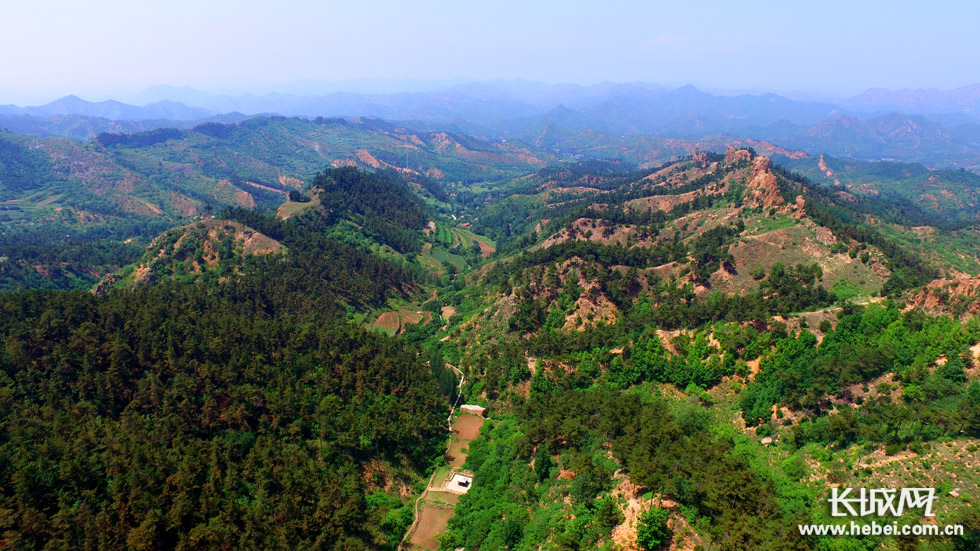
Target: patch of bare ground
691,226
432,522
664,172
141,273
813,320
400,319
388,483
227,192
467,427
409,317
254,243
665,271
486,249
447,312
367,158
140,206
925,232
571,190
885,384
973,370
182,205
456,453
532,365
388,320
667,338
664,203
878,458
266,188
633,505
290,181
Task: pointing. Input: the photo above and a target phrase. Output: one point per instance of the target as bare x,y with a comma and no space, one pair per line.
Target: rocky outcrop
798,209
700,158
762,189
734,156
825,236
105,284
957,296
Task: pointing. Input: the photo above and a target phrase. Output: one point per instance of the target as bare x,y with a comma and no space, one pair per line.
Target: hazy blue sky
100,48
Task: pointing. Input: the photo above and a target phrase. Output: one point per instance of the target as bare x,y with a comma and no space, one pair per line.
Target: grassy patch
442,476
292,208
767,224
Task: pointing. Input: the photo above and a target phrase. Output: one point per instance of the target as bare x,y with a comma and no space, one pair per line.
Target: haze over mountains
939,128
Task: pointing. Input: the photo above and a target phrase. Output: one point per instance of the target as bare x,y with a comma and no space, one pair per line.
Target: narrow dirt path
428,485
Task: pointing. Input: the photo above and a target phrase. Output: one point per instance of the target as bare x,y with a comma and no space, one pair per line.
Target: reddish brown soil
432,522
467,427
456,454
388,320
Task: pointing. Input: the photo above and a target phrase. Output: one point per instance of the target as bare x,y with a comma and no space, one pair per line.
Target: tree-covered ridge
189,417
381,202
707,258
209,245
718,222
22,169
51,260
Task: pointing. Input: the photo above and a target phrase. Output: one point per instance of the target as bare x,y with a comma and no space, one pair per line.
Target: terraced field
395,322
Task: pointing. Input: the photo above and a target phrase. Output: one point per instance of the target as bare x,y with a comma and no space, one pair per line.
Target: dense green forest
208,415
380,201
216,412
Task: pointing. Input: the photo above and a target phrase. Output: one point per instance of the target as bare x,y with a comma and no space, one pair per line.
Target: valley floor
435,506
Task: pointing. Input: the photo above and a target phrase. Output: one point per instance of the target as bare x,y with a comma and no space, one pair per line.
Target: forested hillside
672,356
235,408
174,418
718,324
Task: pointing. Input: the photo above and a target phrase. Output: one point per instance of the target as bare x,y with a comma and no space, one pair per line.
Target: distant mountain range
111,109
965,99
940,129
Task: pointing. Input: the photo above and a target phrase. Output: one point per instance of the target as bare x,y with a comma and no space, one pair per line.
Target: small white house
460,483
